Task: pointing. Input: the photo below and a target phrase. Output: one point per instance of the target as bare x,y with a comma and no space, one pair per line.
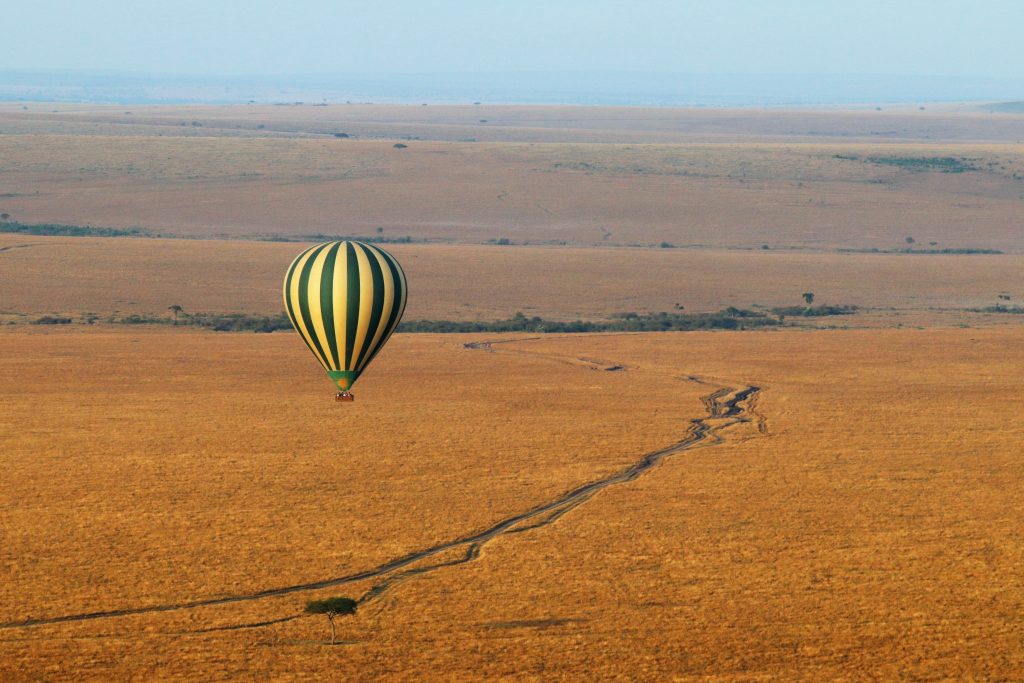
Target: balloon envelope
345,299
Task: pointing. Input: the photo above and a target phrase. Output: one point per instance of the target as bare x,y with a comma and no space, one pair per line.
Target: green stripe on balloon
377,307
353,296
327,304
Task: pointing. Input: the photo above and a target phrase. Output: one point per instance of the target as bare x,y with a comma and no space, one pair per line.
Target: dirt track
726,406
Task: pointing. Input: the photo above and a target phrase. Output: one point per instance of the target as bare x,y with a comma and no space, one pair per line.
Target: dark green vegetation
240,322
61,230
814,311
219,322
942,164
321,237
955,251
998,308
52,320
331,608
727,319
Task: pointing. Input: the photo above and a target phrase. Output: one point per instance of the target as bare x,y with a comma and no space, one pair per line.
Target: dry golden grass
471,282
865,523
732,195
195,464
873,530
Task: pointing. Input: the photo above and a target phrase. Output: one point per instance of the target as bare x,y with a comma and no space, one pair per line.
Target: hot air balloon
345,299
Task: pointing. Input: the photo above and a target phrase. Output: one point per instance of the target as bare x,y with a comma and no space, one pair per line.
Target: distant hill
615,88
1006,107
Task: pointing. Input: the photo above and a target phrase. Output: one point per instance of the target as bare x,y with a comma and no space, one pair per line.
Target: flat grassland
807,503
75,276
520,123
745,187
864,522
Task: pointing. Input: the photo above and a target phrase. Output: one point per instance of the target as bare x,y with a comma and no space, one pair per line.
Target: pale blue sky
259,37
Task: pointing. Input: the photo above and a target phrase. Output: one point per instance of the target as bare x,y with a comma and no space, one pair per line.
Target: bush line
955,251
61,230
726,319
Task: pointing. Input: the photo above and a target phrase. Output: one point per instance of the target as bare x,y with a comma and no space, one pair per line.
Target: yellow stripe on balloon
292,269
315,312
385,313
294,298
365,302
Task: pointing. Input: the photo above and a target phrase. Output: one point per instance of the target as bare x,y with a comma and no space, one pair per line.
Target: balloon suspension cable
344,396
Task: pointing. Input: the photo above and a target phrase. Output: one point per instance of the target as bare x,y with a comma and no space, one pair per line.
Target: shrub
331,608
814,311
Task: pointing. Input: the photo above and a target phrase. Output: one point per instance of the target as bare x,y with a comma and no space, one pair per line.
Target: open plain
831,498
817,180
862,521
79,276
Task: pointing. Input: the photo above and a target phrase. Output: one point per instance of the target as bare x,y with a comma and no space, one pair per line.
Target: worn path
725,406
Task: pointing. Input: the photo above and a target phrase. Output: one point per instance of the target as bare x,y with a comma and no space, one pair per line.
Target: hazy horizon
514,87
678,52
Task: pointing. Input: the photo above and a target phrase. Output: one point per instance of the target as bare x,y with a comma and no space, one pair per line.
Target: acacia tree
808,298
175,309
331,608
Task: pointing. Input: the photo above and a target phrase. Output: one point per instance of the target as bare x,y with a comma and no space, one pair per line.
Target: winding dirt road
725,406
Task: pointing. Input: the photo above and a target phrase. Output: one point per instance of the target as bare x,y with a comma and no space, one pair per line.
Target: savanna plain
818,497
